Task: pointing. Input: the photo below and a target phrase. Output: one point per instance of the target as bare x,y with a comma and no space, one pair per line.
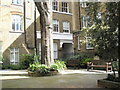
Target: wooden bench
73,63
99,64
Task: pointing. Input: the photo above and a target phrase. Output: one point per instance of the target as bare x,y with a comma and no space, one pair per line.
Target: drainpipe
35,36
79,14
25,22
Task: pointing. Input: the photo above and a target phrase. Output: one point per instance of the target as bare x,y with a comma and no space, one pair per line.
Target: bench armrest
89,63
108,63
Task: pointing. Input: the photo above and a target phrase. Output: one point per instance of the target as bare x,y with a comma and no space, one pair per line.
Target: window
78,42
40,50
0,48
89,43
16,23
14,55
55,25
55,50
18,2
84,21
84,4
66,27
65,7
55,5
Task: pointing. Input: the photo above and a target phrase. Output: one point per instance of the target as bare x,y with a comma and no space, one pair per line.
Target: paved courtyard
68,79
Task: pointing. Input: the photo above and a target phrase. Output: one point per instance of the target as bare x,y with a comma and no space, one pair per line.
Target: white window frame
16,23
55,50
84,4
40,50
88,46
65,7
17,2
79,43
13,52
55,26
0,48
66,27
55,5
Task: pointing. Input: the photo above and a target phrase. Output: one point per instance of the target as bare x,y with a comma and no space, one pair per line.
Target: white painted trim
59,12
59,36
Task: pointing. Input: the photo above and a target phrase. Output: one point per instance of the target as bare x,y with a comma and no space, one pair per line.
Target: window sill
62,12
56,32
90,48
17,5
16,31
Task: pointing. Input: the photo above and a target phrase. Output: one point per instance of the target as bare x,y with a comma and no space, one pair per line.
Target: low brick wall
108,84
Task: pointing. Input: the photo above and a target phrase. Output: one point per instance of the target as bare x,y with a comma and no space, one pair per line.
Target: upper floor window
84,4
84,21
55,25
89,43
65,7
18,2
66,27
16,23
55,5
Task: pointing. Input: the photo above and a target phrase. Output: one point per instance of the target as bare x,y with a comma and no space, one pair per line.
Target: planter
36,74
108,84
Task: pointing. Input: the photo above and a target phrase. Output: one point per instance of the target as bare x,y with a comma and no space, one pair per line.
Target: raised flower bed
36,69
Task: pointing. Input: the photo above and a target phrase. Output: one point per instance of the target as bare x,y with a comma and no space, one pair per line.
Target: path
68,79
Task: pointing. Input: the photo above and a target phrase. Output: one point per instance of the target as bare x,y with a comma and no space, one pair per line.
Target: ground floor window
89,43
14,55
0,48
79,43
55,50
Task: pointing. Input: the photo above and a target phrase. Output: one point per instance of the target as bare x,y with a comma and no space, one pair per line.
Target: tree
44,8
104,29
105,33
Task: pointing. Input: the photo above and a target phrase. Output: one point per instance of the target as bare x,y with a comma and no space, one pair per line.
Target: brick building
19,34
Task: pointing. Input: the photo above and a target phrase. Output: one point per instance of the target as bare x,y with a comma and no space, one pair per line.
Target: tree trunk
45,10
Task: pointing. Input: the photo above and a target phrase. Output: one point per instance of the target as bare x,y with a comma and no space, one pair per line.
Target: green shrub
15,67
61,64
26,60
33,67
5,66
43,69
115,65
83,61
54,67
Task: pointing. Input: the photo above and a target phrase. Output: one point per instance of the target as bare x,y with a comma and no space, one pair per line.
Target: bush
5,66
83,62
33,67
115,65
61,64
36,67
43,69
26,60
83,59
15,67
54,67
